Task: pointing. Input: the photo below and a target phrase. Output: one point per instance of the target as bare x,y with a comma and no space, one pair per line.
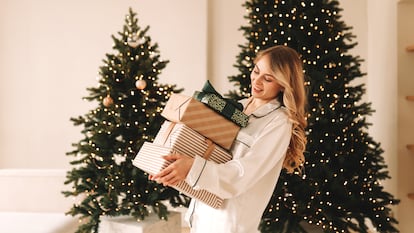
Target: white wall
405,79
224,20
382,81
51,52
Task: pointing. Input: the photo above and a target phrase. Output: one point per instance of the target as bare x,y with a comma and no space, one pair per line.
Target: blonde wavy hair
286,61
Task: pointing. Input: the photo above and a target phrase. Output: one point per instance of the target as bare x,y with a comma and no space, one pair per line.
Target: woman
274,139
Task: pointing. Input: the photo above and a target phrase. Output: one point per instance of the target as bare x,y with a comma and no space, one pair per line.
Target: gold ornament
108,101
141,84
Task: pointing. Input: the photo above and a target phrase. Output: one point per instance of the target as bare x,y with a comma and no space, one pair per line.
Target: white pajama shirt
247,181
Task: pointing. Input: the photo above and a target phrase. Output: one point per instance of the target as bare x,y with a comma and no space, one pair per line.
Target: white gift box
151,224
178,138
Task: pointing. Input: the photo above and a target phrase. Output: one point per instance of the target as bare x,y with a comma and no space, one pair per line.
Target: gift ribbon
230,109
210,144
210,149
209,89
167,132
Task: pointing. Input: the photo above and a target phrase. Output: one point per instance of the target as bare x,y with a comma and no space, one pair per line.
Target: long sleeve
257,151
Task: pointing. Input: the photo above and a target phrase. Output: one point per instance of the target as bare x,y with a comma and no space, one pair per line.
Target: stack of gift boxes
203,125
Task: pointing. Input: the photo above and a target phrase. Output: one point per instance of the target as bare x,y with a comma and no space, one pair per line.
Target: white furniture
151,224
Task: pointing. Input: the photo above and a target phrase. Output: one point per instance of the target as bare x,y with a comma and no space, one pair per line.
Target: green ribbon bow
229,108
208,88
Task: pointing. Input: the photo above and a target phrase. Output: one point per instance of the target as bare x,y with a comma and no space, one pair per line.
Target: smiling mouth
257,89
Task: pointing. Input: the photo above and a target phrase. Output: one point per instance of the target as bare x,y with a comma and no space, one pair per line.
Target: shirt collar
264,109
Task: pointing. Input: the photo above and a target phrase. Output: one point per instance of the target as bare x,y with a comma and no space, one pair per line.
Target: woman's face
264,84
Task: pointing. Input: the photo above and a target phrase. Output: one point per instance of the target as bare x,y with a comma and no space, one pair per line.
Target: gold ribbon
210,144
210,149
167,132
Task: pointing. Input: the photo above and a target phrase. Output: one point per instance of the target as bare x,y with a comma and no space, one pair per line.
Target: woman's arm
239,174
234,177
176,171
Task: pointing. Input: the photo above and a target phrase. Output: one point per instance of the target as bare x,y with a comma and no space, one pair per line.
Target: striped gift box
199,117
187,141
150,160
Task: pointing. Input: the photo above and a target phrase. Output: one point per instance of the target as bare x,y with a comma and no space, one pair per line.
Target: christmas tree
340,187
128,113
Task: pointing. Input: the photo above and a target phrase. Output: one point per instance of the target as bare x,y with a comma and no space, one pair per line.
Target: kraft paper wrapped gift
179,138
196,115
187,141
230,109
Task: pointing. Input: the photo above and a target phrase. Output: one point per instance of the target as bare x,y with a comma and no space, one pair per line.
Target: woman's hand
176,171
